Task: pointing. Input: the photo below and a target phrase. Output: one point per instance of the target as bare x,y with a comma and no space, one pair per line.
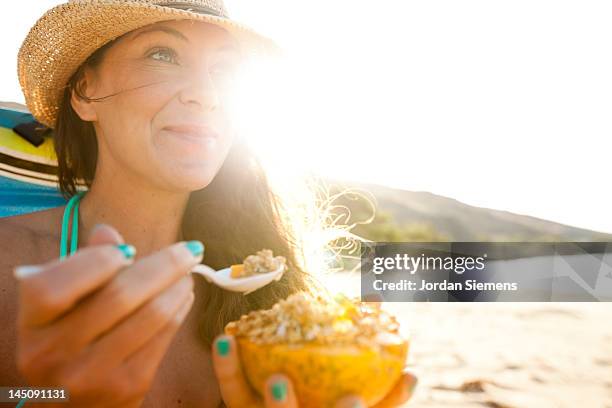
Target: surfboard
28,164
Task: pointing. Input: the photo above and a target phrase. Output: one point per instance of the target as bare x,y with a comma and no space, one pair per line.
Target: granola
304,318
262,262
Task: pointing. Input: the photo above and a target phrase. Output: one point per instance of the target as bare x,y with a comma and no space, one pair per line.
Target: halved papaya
321,373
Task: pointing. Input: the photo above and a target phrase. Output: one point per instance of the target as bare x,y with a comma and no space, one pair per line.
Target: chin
187,178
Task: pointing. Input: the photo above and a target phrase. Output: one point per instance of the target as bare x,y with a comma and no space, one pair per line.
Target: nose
200,92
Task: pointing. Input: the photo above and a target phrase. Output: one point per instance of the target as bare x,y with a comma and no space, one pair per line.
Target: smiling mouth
196,135
192,131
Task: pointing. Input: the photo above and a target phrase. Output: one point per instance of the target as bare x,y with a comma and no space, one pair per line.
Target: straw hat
63,38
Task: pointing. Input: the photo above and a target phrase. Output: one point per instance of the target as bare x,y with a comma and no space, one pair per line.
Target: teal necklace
74,237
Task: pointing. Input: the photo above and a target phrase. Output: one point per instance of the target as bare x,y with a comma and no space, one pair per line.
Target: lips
192,137
192,131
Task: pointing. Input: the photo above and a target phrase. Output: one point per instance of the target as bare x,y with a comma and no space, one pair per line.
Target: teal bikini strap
74,202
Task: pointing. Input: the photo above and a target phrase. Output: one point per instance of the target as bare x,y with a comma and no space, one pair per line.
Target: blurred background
459,121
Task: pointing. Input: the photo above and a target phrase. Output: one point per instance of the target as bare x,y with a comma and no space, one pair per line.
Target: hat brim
63,38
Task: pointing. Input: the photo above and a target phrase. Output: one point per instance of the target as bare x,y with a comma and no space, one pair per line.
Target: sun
276,111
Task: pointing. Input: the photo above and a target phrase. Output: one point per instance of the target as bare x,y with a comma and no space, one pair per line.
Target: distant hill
454,220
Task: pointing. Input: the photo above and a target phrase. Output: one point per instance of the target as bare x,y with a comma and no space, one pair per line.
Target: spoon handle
204,271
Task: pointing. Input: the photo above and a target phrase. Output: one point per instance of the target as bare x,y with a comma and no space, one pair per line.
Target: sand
510,354
503,355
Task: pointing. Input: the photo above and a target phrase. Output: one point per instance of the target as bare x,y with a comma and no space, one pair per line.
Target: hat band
191,7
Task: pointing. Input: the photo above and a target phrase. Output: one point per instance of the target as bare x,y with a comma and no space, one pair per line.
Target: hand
98,323
236,391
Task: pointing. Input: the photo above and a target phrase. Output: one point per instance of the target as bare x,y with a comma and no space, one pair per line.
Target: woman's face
164,117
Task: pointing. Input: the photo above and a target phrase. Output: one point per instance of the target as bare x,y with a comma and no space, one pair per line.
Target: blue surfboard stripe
18,197
10,118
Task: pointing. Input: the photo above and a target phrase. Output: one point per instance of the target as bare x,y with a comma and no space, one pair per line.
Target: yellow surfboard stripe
14,145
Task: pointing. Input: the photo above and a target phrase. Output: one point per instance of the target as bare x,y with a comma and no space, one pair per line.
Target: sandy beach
510,354
503,355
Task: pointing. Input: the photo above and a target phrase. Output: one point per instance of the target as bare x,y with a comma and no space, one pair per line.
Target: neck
149,219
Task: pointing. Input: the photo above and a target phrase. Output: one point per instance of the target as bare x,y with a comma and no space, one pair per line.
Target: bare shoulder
29,238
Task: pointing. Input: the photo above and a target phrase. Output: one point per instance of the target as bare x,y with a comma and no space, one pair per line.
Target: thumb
104,234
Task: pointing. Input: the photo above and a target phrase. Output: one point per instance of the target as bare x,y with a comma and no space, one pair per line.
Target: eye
164,54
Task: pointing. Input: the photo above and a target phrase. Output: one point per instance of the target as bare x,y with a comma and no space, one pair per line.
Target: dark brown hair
236,215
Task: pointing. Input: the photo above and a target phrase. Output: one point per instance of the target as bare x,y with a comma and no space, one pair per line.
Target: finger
141,326
279,392
130,289
401,392
235,390
47,291
139,369
104,234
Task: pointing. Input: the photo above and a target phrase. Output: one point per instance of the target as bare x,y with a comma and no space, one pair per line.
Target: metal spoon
245,285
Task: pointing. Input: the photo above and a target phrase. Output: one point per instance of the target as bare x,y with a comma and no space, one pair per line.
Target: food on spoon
262,262
328,347
237,271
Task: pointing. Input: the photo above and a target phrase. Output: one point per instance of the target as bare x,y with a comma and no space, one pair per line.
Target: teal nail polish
223,347
279,391
128,250
196,247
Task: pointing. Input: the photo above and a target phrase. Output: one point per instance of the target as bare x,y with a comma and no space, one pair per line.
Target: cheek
127,116
134,97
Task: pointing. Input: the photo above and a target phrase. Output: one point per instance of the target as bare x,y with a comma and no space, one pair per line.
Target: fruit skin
321,373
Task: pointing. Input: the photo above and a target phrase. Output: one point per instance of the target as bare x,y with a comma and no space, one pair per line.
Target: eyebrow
168,30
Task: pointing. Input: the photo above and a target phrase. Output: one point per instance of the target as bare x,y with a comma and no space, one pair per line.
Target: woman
137,94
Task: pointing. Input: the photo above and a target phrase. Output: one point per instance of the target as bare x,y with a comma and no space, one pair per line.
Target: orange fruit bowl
328,348
322,374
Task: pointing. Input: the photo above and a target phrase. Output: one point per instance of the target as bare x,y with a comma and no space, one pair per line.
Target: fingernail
279,390
195,247
24,271
128,250
358,404
223,346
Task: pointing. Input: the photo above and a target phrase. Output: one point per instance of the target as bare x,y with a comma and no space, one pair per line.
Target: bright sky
505,105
